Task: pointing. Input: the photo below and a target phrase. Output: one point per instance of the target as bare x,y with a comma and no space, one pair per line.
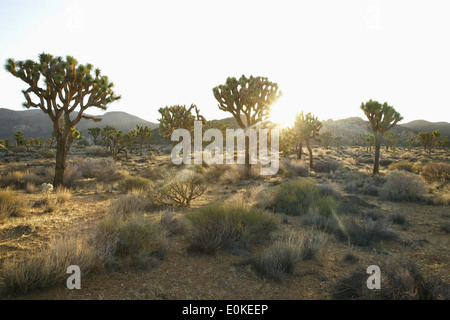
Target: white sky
326,56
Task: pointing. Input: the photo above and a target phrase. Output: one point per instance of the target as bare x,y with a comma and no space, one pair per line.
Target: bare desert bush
72,174
179,188
366,234
48,267
436,172
46,153
153,173
402,185
263,197
100,169
325,223
222,226
135,201
292,168
11,204
405,166
20,179
134,183
135,241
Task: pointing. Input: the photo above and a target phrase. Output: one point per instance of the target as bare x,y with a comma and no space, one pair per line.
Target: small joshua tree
178,117
249,100
143,135
382,118
95,133
326,138
307,128
68,90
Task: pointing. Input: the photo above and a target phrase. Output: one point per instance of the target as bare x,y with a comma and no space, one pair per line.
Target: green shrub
134,183
405,166
229,227
326,205
295,197
134,241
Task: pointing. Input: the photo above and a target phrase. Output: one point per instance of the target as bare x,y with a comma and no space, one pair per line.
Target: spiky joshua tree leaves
249,100
67,87
382,117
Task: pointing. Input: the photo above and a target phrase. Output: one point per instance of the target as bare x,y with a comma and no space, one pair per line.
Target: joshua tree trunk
300,150
248,166
311,161
376,161
61,153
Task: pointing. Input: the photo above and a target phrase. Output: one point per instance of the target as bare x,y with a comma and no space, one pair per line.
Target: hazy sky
326,56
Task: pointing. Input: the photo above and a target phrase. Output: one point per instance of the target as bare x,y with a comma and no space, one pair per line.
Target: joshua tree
370,142
391,140
382,118
178,117
306,128
326,138
19,138
143,135
428,139
95,133
68,87
249,100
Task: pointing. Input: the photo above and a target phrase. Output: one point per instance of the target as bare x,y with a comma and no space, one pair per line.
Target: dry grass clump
135,241
236,172
326,165
134,183
96,151
291,168
228,227
20,179
361,183
11,204
48,267
280,259
63,195
172,223
402,185
135,201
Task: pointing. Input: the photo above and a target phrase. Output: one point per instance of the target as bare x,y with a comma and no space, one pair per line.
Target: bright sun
282,116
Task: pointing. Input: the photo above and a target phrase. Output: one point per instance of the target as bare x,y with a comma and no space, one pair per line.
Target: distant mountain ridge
34,123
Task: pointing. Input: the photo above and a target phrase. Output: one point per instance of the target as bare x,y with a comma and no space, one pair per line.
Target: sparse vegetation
401,185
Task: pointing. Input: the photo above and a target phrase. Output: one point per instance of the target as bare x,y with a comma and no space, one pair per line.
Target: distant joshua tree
68,87
326,138
382,118
306,128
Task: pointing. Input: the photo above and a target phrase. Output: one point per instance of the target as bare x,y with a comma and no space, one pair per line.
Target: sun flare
281,116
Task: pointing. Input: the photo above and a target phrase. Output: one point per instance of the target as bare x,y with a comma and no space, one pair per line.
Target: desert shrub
134,241
11,204
62,195
295,197
48,267
20,179
30,187
401,185
436,172
153,173
263,197
326,205
96,151
404,281
135,201
314,219
72,174
352,286
100,169
365,234
46,153
173,224
386,162
180,188
352,204
291,168
226,226
363,184
405,166
327,165
399,219
134,183
236,172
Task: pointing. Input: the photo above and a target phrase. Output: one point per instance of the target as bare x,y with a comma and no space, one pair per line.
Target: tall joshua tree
249,100
382,117
307,128
60,87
